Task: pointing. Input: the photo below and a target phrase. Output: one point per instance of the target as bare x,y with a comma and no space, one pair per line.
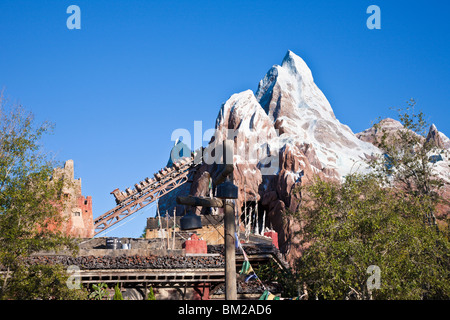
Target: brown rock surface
289,122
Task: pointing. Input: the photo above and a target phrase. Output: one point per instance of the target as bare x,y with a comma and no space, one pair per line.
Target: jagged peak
433,128
297,66
292,65
435,136
242,104
244,98
291,86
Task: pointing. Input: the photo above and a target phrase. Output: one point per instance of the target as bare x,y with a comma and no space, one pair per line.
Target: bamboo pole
264,222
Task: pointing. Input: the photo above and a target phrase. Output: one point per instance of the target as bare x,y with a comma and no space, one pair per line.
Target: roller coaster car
146,182
165,171
158,176
142,185
170,169
130,191
138,187
118,195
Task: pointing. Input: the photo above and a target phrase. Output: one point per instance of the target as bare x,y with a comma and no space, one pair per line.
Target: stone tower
78,208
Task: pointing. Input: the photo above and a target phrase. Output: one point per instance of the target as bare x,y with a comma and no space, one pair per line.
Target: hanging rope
247,269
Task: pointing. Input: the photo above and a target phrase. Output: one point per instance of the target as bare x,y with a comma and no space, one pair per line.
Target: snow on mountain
249,125
445,140
440,139
302,114
441,157
290,122
294,79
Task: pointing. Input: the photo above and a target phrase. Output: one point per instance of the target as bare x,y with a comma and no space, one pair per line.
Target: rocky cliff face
439,139
284,135
304,118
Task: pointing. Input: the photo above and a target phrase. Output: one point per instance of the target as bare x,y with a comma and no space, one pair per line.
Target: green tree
287,279
43,281
99,291
381,219
117,293
355,224
151,294
29,204
405,163
144,233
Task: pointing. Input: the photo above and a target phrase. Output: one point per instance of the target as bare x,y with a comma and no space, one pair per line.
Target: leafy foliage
406,163
287,279
151,294
380,219
353,225
99,291
43,282
29,204
117,293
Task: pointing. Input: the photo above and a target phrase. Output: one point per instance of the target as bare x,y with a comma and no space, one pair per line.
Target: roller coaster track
145,193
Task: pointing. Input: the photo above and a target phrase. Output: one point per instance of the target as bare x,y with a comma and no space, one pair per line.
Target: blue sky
137,70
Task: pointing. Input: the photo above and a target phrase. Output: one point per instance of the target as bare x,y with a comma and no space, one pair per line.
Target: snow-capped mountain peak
288,88
303,115
297,66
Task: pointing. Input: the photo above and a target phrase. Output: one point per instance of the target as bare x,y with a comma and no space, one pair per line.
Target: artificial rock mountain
291,128
439,158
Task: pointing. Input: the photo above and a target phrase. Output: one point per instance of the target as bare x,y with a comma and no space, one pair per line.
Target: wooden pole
249,224
167,225
256,220
160,231
245,210
173,239
230,252
230,227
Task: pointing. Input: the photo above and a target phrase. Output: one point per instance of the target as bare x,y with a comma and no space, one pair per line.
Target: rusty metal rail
145,192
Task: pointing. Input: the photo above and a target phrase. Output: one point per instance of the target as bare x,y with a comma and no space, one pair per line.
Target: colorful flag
246,268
